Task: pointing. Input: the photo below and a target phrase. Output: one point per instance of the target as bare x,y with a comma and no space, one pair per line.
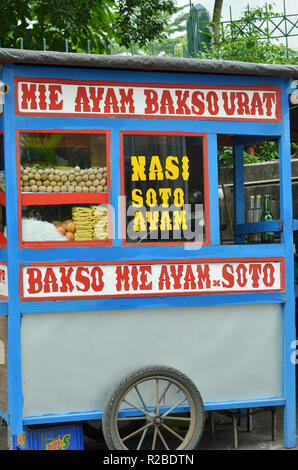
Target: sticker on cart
56,97
3,282
109,280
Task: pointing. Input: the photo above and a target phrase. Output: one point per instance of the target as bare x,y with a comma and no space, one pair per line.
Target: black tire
150,419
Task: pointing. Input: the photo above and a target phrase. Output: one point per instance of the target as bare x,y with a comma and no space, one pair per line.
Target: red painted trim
2,198
46,199
206,188
148,85
62,198
146,262
159,261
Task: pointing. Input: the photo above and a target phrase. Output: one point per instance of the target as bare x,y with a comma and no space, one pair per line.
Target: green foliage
80,21
141,21
249,40
264,152
55,21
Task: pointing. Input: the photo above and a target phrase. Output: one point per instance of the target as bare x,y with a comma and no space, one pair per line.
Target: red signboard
44,281
60,97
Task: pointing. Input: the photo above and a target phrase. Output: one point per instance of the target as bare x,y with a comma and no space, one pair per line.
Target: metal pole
231,22
286,29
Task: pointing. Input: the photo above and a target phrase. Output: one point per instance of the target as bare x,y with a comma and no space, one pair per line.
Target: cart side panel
3,364
72,360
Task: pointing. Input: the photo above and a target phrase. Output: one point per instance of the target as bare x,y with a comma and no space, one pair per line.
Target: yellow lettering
179,220
151,199
152,218
172,171
185,168
139,222
138,167
165,221
165,193
137,198
179,197
155,169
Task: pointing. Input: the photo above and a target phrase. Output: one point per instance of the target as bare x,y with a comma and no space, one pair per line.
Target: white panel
72,360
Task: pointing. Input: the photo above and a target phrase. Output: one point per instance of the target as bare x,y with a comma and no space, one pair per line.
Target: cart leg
9,439
273,411
211,416
249,420
235,429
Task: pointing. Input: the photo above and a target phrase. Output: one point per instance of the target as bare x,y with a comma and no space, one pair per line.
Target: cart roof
152,63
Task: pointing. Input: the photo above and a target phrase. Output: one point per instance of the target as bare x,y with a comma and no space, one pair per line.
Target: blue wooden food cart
120,299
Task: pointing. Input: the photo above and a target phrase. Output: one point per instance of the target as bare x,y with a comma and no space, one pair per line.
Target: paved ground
258,439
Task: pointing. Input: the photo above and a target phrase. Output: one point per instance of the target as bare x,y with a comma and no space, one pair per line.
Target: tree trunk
216,17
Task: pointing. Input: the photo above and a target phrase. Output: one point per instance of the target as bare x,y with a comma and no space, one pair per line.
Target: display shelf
36,199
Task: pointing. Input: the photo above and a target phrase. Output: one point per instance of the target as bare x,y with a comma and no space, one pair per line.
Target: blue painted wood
147,253
213,189
3,308
97,414
288,333
244,132
239,202
252,139
14,323
115,191
257,227
146,302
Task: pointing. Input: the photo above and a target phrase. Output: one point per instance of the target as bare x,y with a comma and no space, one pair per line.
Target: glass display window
64,185
165,187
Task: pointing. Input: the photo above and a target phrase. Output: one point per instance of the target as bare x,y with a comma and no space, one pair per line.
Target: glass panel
261,183
79,222
69,162
164,188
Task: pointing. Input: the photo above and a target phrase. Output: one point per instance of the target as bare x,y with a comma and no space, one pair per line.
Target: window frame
25,199
204,136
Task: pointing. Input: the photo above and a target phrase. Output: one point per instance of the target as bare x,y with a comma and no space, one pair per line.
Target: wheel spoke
177,418
164,393
162,406
173,407
130,418
154,438
142,438
157,396
141,398
136,432
162,439
173,432
137,408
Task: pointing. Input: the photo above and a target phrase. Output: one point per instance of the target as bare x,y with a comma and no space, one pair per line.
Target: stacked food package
83,220
62,180
100,222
